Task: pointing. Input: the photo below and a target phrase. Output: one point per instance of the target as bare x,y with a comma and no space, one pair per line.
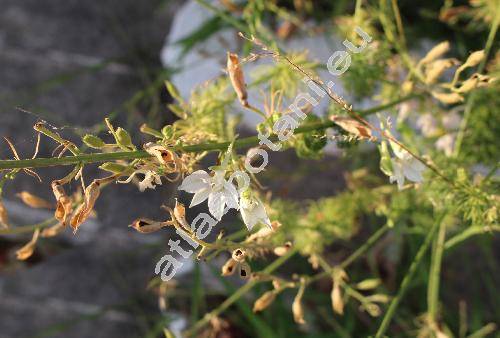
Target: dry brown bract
64,205
237,78
353,127
4,218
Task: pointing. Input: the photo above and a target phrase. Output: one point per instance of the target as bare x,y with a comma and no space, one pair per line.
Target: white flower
428,124
405,165
252,210
218,191
446,144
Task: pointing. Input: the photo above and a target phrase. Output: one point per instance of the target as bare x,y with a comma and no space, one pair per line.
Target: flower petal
199,197
216,204
195,182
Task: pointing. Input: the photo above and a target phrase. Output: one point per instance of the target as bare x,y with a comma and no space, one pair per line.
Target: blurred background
73,63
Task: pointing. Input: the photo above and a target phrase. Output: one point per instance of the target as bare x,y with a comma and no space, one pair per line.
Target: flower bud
93,141
436,52
123,137
282,250
336,297
368,284
264,301
448,98
474,59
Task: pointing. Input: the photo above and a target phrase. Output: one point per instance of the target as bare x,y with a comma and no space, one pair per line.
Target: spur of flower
219,192
404,165
252,210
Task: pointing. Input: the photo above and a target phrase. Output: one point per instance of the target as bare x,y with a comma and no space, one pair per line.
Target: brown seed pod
85,209
229,267
33,201
180,215
4,218
244,270
27,250
239,255
237,78
147,226
264,301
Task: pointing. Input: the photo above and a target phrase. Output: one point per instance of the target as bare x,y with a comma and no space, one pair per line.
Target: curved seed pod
85,209
27,250
297,309
448,98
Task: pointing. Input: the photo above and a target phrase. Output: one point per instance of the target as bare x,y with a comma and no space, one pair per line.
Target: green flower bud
93,141
123,137
168,131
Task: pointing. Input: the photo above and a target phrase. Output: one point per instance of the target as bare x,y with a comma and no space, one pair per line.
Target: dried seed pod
64,206
147,226
264,301
53,230
4,218
239,255
180,215
229,267
33,201
237,78
436,52
336,297
448,98
244,270
353,126
297,309
85,209
27,250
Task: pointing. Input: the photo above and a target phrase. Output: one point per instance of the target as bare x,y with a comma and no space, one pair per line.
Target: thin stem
238,294
28,228
471,231
356,254
407,280
435,271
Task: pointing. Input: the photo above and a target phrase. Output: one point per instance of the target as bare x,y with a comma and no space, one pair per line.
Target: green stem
141,154
469,232
238,294
435,271
407,280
